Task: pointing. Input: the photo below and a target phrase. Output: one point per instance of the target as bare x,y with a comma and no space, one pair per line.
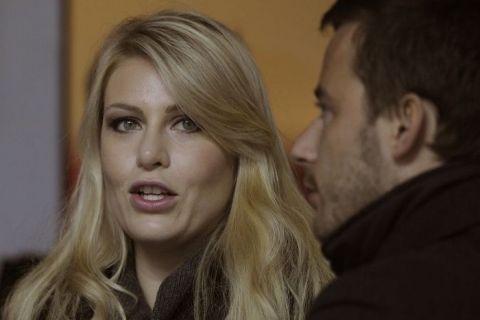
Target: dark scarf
422,211
174,300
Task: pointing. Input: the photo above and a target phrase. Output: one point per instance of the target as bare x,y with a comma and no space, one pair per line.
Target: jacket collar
423,210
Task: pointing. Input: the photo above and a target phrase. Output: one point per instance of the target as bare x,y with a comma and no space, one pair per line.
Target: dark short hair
427,47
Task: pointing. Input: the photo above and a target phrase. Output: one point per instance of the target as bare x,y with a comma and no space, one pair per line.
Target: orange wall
282,34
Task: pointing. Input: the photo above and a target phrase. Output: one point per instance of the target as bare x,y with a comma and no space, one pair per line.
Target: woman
185,207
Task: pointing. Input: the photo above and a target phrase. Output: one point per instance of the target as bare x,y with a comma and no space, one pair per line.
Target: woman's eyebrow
123,106
174,108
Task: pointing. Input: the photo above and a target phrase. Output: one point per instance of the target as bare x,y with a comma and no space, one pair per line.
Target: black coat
413,254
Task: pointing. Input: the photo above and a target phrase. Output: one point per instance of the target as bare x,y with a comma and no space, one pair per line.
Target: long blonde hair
264,250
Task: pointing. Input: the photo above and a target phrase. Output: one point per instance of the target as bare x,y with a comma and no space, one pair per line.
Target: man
393,161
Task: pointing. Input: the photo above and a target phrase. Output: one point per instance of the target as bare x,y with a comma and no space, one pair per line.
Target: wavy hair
264,249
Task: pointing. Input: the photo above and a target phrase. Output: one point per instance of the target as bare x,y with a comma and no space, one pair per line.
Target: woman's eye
186,124
125,125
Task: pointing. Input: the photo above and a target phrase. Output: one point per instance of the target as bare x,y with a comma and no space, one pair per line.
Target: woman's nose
153,151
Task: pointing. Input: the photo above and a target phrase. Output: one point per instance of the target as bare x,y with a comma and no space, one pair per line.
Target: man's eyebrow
320,93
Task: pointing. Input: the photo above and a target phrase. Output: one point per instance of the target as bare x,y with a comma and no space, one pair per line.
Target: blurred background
46,48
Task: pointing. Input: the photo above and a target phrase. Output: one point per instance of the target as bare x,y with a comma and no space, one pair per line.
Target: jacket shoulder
436,282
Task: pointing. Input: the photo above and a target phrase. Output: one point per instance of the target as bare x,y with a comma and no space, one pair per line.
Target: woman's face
166,182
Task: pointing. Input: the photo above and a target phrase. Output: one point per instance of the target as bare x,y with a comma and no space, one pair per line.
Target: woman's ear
409,127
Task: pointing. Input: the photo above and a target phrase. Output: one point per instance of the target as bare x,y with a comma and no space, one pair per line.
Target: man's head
399,93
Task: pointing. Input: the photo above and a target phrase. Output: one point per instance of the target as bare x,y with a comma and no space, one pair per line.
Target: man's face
340,151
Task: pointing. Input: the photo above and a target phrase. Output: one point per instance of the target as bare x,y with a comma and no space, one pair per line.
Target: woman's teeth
152,193
153,197
151,190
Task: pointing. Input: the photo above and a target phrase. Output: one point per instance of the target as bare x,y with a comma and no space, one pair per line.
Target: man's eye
321,109
186,124
325,113
125,125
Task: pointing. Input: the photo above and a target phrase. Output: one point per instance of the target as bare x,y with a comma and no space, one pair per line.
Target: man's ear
409,127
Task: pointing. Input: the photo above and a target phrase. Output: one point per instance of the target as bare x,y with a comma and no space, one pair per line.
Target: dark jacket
413,254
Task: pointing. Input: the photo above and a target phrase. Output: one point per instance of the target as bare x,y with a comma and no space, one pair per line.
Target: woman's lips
152,203
151,197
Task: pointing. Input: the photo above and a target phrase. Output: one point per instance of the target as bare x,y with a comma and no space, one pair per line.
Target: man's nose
304,149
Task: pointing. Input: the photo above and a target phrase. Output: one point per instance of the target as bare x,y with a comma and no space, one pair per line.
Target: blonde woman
185,207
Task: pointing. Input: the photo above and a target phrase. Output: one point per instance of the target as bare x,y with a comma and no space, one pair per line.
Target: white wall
30,137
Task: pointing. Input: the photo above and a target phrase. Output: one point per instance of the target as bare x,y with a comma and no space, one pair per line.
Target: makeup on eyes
131,118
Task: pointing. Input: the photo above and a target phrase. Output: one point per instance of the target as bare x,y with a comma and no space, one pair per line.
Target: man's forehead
342,42
338,60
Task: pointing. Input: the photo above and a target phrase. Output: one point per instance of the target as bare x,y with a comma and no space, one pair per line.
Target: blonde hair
264,250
